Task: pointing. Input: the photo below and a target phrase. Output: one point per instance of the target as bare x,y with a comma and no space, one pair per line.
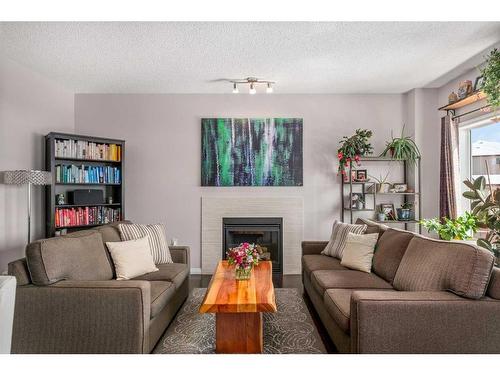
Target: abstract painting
251,152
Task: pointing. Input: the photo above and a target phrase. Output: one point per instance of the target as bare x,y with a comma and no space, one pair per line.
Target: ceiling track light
253,82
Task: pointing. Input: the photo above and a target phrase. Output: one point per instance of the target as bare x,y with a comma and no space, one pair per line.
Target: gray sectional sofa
68,301
423,296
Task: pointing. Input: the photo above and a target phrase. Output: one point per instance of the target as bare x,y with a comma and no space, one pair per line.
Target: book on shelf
67,148
86,174
90,215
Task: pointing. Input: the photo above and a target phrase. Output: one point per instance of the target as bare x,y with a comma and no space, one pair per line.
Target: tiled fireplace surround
213,209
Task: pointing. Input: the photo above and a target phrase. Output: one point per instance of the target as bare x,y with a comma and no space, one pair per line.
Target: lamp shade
23,177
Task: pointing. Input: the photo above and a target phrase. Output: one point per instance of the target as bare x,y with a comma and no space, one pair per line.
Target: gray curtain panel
449,184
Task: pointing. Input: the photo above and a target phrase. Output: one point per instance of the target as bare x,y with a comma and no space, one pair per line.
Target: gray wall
163,149
30,107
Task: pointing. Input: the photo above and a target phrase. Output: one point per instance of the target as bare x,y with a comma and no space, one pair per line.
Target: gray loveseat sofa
69,302
423,296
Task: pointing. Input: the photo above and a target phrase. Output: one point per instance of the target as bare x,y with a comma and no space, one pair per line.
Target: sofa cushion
173,272
314,262
494,287
81,257
161,294
338,305
372,226
391,247
349,279
110,232
432,265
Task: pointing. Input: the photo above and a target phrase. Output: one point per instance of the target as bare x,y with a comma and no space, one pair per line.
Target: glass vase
243,273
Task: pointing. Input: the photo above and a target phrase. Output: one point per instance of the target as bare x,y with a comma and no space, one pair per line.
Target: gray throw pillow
335,247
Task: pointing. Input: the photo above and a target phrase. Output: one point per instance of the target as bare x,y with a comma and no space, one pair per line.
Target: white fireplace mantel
213,209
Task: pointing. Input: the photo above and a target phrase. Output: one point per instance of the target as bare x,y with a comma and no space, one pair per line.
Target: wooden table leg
239,333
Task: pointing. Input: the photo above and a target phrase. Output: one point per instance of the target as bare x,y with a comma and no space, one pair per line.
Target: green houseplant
403,147
485,204
382,184
491,79
352,148
461,228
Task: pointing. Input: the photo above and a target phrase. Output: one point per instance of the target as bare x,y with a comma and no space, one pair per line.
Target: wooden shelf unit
114,190
472,98
417,199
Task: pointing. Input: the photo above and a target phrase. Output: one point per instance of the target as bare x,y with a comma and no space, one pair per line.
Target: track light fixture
252,82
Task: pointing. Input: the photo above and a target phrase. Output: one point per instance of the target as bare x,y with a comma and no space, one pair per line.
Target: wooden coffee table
238,307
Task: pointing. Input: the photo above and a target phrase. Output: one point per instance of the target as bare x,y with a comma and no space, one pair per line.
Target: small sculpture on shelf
452,98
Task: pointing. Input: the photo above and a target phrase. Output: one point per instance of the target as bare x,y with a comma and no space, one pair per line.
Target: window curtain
449,186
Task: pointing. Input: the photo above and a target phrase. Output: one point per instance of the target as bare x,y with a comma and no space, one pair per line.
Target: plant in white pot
382,185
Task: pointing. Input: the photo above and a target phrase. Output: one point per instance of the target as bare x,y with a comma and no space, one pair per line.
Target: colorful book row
66,148
71,217
72,174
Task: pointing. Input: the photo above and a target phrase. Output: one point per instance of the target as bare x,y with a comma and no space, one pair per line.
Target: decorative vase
381,216
404,214
383,188
243,273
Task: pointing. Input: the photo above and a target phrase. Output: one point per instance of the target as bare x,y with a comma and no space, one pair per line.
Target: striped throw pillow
156,237
335,247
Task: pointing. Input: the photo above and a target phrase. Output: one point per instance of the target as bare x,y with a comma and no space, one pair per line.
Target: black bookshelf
368,188
114,190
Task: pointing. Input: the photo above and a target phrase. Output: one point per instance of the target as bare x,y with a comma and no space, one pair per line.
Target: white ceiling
303,57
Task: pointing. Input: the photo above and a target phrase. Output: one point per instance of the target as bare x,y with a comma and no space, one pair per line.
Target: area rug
288,331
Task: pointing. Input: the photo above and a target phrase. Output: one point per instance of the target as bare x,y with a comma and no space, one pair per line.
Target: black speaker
86,196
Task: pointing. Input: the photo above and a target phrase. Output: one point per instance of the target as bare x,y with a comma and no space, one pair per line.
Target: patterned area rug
288,331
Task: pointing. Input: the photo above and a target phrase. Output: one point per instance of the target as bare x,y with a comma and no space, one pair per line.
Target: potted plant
405,212
352,148
382,185
380,215
403,148
485,204
491,79
462,228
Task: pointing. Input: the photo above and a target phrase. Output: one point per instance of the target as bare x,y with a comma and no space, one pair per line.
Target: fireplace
264,231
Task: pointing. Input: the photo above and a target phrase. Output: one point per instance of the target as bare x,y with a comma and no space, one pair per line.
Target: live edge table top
227,295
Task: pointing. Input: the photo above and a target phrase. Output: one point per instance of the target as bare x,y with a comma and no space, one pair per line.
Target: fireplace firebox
267,232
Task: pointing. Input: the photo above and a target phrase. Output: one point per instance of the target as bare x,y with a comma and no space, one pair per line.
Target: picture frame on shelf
353,176
478,83
357,201
388,210
361,175
400,187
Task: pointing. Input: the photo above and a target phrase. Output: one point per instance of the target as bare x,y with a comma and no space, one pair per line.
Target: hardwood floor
286,281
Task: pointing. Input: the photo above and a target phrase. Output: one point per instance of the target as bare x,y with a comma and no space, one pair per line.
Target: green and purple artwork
251,152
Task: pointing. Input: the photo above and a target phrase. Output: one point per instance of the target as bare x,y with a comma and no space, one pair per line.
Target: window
479,153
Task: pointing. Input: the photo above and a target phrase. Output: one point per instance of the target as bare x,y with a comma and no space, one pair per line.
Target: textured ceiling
303,57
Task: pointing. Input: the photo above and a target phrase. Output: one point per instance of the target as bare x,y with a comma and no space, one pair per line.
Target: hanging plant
491,79
353,148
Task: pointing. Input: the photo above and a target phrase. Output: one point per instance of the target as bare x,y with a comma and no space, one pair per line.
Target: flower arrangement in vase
244,258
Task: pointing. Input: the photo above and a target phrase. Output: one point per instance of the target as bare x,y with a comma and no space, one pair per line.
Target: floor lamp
27,177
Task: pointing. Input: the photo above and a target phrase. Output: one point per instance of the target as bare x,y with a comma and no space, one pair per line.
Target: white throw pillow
156,236
131,258
335,246
358,251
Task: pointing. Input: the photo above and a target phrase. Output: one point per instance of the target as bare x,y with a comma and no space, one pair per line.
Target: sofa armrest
83,317
423,322
180,254
313,247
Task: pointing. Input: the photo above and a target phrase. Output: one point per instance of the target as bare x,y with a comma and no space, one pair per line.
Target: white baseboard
195,271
